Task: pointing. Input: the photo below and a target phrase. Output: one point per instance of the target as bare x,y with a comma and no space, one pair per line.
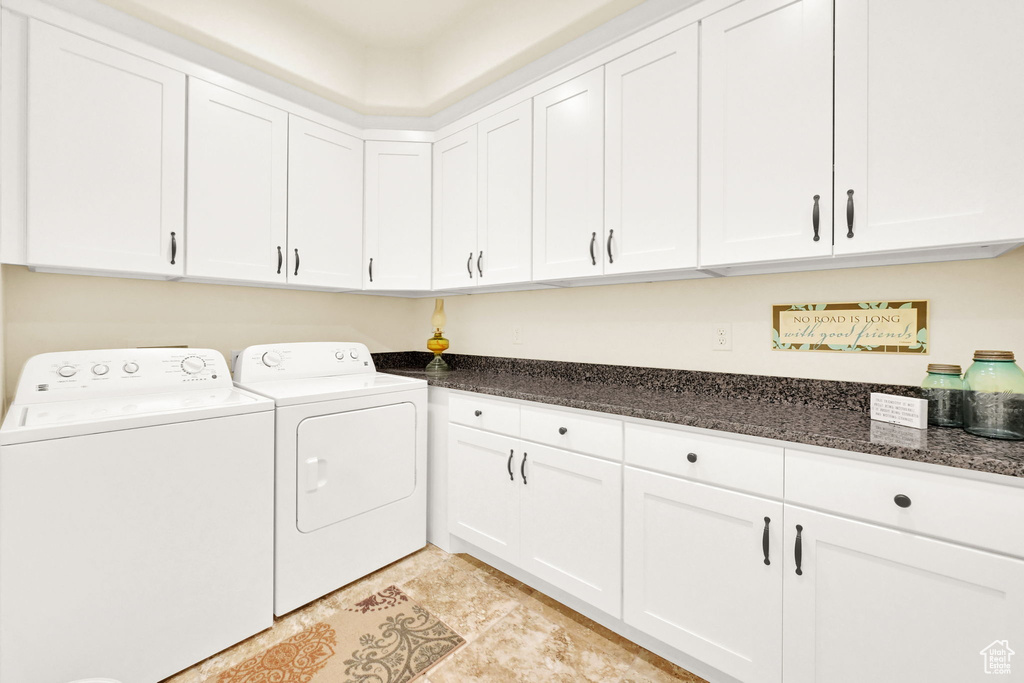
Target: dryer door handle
316,474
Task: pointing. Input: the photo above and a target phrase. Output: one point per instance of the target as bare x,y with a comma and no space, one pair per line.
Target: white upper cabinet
568,179
651,156
928,123
237,186
106,157
325,206
766,132
455,210
505,168
396,237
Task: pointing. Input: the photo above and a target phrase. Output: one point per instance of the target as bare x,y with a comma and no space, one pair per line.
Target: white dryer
350,464
136,515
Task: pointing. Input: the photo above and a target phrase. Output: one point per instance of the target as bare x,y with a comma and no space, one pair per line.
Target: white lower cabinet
883,605
765,564
571,524
554,513
484,505
703,572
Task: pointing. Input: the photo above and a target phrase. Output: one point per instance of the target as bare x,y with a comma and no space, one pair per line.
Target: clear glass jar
944,389
994,396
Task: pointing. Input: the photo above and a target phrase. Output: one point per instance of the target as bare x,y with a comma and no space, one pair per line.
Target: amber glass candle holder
438,344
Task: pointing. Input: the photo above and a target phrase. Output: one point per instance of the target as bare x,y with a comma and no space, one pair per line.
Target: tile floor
514,633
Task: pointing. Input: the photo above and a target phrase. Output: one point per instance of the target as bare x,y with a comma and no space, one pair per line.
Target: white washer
136,515
351,464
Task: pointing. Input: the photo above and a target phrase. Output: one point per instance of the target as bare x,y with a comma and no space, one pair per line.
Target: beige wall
974,304
45,312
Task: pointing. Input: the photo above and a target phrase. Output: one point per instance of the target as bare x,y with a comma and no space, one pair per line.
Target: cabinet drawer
574,432
483,413
717,461
979,513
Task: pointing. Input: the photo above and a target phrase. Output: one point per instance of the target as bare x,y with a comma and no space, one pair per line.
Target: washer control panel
118,372
302,360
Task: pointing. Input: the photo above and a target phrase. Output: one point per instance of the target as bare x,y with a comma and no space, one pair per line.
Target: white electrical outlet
722,340
517,335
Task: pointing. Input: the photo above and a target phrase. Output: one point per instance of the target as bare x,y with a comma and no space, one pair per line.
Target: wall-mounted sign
872,326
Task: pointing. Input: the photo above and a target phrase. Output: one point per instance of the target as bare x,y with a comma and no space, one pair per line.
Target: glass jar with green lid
994,396
944,389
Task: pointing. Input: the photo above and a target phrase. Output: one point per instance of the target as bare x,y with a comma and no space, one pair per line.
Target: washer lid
62,419
295,391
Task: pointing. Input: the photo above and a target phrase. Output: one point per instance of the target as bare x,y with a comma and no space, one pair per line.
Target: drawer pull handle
798,551
902,500
764,540
562,430
815,218
849,214
522,468
511,477
692,457
478,413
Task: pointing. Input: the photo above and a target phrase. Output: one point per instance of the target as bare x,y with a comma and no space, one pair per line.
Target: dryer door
353,462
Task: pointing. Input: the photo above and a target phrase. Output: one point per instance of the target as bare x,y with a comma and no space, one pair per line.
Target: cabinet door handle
798,551
902,500
480,268
371,269
849,214
296,261
562,430
510,475
522,468
469,265
174,247
593,241
816,217
280,260
764,540
610,259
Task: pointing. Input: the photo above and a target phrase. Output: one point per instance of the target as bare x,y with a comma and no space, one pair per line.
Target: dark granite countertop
786,417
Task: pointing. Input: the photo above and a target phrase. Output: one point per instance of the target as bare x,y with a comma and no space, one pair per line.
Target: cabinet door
455,210
651,157
396,237
504,235
928,112
325,206
695,575
875,604
237,186
766,132
484,487
572,524
106,157
568,179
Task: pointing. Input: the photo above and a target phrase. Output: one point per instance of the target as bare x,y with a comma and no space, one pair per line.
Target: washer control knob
340,355
193,365
271,359
66,371
100,370
354,353
131,368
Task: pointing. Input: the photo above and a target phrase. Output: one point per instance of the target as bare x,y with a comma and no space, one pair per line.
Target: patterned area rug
386,638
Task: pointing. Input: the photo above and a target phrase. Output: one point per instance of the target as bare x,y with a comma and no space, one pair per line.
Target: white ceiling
383,57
